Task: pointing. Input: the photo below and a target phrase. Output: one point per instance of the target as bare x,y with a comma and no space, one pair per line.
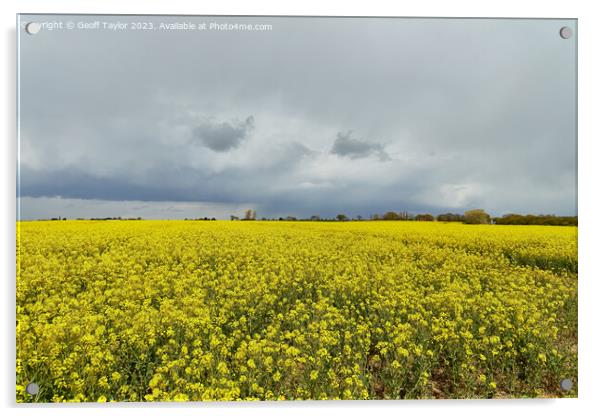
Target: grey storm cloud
446,114
345,145
224,136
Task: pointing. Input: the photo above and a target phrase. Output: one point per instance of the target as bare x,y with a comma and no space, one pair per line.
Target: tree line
517,219
473,216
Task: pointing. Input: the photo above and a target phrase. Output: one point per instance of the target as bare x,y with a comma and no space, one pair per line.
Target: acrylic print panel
280,208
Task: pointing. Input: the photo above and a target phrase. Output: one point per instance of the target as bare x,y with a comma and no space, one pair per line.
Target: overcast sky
316,117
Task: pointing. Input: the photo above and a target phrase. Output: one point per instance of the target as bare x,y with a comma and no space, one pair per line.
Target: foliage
449,217
424,217
476,216
390,216
250,215
516,219
251,310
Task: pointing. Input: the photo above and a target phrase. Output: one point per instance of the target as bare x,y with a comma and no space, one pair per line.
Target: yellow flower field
255,310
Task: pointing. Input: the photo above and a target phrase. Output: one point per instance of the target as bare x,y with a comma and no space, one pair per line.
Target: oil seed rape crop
187,310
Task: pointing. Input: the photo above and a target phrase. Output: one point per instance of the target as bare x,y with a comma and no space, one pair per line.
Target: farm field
255,310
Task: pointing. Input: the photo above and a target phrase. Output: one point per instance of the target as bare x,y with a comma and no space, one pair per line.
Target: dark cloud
346,146
224,136
164,184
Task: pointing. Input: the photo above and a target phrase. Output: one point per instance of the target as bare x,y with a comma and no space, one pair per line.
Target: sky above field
317,116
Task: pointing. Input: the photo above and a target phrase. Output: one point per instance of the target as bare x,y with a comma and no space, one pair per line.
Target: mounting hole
33,28
566,32
32,389
566,384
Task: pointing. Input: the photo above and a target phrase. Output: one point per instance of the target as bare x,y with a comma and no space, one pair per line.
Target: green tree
449,217
476,216
390,216
424,217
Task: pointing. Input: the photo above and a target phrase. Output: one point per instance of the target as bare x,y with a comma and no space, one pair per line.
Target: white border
590,207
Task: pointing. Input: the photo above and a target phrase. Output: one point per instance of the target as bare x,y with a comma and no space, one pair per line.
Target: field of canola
220,310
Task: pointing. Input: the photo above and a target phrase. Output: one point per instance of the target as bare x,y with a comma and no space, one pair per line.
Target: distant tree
424,217
476,216
449,217
375,217
314,218
250,215
517,219
291,218
233,218
404,216
390,216
342,217
359,217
